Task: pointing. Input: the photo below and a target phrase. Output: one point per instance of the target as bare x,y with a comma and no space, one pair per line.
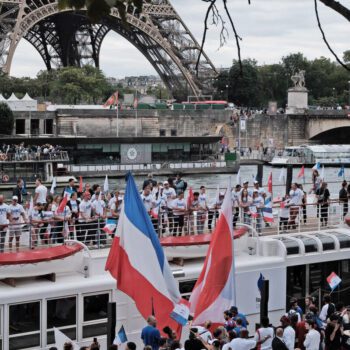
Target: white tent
2,98
13,97
25,104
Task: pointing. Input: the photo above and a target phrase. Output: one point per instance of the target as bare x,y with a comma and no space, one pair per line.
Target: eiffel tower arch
68,38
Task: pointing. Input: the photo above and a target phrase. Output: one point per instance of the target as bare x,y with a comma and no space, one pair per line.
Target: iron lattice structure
67,38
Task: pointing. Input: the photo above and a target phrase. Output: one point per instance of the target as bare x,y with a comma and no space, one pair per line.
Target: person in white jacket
313,337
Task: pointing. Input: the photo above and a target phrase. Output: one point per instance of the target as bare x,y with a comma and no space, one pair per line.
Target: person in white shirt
235,196
264,332
260,190
16,212
258,204
62,216
4,220
313,337
288,333
296,200
170,196
85,219
148,199
40,192
243,343
204,332
324,311
179,207
202,209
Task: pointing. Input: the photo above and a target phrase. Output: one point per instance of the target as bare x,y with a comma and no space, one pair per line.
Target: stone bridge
280,130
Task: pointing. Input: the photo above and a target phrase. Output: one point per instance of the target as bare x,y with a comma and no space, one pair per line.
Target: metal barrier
34,157
98,232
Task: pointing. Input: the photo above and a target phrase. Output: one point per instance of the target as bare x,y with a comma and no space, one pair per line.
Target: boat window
291,245
309,243
62,314
327,242
186,288
295,282
95,315
343,239
24,325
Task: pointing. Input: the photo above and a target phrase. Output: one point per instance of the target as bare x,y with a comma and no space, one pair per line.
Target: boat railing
9,157
99,231
145,167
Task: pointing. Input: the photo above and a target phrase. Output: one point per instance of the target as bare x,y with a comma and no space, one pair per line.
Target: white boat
296,265
312,154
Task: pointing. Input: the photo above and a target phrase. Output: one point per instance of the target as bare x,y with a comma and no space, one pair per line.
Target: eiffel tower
68,38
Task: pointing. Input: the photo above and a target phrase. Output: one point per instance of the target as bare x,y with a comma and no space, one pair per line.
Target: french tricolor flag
137,261
214,291
267,211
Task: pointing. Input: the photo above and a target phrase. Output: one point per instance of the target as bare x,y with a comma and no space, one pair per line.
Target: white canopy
2,98
13,97
26,97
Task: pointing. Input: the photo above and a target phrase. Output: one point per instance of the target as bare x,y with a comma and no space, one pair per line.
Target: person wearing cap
288,333
4,220
260,190
16,212
246,187
214,208
235,195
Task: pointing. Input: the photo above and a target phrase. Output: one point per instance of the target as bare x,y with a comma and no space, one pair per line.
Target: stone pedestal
297,100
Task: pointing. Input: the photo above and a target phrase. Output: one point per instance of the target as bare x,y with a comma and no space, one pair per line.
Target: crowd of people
21,151
83,213
299,328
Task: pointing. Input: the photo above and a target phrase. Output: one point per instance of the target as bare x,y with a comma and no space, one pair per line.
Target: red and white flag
136,102
63,204
301,172
214,290
269,184
113,100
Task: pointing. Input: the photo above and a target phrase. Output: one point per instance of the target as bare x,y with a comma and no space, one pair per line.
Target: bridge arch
319,126
337,135
158,33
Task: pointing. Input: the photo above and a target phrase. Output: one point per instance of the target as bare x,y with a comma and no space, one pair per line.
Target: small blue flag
261,282
120,338
341,171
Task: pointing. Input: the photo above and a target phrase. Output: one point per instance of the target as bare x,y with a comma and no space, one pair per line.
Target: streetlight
227,93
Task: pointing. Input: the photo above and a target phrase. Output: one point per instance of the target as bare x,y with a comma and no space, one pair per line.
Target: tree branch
338,7
325,39
237,37
210,7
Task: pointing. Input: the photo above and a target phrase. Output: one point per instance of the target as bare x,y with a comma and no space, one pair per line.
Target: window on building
48,126
95,315
20,126
162,132
173,132
24,325
34,127
62,314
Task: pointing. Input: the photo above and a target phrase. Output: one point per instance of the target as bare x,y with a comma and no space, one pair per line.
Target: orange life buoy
5,178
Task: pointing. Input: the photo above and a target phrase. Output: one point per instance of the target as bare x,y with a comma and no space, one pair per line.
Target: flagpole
117,120
233,254
135,106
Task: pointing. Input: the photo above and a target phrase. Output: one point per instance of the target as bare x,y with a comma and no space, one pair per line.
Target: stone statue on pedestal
299,79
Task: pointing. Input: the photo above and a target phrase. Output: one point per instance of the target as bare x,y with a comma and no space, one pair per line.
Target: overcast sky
270,29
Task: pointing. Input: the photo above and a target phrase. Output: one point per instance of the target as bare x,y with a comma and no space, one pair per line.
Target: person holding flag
151,285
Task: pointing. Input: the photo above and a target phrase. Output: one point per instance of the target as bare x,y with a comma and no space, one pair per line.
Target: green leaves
6,119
